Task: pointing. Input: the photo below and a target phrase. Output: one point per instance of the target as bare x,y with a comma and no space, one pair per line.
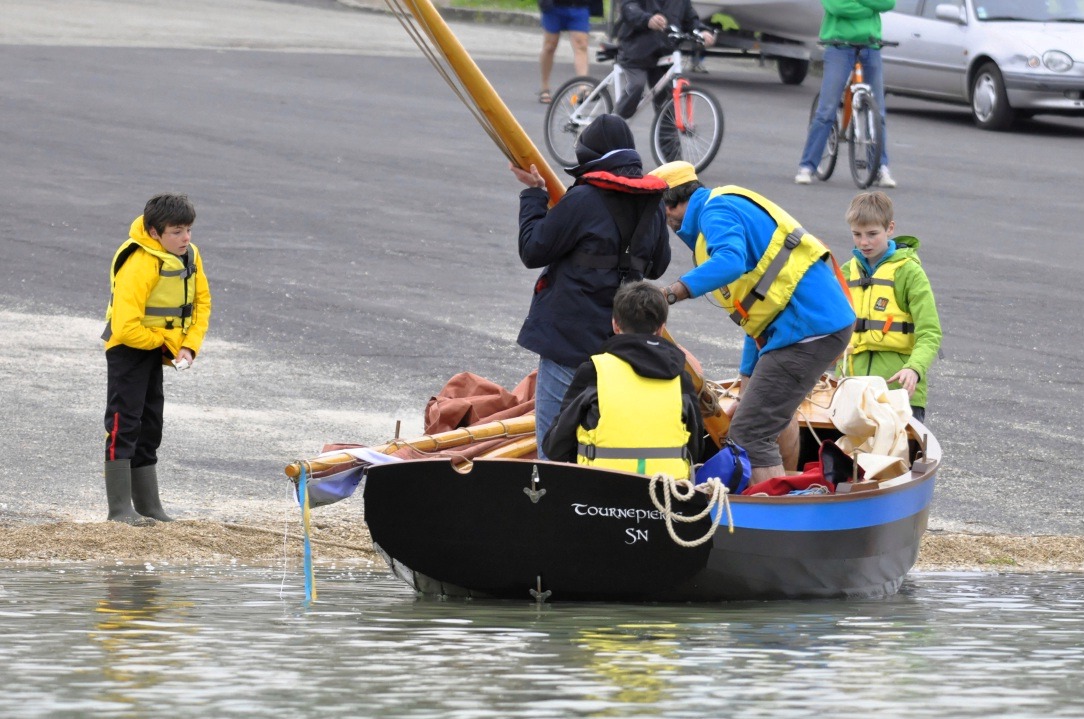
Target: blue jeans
550,387
838,62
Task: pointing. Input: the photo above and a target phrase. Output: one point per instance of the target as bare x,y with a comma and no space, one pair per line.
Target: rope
684,490
422,35
286,536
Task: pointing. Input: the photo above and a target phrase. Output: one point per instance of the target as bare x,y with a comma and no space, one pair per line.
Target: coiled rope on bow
684,490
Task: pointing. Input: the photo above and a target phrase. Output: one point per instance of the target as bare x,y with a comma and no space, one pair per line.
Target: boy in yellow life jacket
159,309
898,333
632,406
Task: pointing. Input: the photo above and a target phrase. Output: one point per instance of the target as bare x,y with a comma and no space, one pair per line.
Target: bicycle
688,126
858,119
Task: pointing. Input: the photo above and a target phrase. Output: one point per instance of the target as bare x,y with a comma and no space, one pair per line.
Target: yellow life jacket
757,297
640,427
169,305
882,324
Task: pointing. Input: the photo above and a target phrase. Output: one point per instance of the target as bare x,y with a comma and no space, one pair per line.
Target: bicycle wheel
866,141
702,135
827,164
567,116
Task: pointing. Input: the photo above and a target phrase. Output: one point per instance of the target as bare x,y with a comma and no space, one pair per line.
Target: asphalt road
359,232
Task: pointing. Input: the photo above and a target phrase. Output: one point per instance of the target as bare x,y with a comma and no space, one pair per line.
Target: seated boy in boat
898,332
632,406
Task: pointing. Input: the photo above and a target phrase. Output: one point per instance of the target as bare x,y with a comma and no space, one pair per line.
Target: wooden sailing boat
503,524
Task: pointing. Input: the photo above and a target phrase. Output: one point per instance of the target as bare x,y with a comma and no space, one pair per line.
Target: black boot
118,490
145,493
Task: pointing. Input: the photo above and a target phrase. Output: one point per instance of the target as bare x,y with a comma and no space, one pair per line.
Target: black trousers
134,403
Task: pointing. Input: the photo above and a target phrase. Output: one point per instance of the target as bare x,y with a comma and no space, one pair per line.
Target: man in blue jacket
778,282
609,228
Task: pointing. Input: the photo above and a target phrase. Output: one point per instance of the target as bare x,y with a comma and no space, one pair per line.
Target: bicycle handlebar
871,43
675,36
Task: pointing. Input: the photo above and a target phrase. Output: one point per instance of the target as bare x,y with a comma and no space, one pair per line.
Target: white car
1005,58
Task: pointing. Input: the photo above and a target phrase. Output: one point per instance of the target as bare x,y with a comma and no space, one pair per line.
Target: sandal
544,97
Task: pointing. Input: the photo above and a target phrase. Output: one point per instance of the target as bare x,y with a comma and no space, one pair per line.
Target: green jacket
853,20
915,296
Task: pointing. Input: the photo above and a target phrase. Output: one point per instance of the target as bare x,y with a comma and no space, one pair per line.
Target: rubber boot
118,490
145,493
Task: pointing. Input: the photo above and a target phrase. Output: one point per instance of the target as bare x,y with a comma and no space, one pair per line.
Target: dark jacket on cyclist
641,47
576,242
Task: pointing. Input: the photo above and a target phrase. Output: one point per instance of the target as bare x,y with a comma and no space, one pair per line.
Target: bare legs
579,42
545,59
579,51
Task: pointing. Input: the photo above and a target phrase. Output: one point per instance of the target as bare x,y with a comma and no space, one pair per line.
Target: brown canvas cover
465,400
468,399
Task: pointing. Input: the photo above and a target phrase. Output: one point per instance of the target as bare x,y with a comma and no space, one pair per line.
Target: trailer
783,31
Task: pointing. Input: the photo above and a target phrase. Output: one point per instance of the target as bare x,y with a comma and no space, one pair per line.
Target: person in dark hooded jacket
609,228
634,395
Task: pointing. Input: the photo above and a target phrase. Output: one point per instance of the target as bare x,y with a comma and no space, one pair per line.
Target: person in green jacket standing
857,21
898,333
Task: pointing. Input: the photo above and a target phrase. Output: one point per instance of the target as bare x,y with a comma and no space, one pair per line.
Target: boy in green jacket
897,333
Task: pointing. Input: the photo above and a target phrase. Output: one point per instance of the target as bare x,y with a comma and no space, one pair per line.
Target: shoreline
339,538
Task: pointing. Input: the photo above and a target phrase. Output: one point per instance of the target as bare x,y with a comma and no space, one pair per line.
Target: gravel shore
340,534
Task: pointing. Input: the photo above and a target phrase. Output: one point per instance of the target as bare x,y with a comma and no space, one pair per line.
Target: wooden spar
716,421
514,427
524,153
516,448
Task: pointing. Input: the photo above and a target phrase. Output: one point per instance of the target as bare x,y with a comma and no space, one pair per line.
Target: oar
514,142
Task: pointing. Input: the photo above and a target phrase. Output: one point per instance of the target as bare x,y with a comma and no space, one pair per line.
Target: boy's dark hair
166,209
640,308
674,196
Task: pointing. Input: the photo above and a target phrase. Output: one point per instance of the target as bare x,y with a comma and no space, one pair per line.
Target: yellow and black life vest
640,428
757,297
169,305
882,324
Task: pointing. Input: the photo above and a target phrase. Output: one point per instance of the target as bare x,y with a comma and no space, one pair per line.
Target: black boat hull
520,529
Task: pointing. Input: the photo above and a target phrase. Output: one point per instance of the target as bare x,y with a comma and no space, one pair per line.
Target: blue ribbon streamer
303,495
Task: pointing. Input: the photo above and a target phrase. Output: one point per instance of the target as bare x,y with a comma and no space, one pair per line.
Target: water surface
193,641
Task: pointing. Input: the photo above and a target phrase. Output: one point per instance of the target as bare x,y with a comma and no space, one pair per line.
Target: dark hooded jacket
650,356
570,311
641,46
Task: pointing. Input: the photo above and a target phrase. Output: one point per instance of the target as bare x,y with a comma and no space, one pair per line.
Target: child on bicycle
846,21
898,332
642,36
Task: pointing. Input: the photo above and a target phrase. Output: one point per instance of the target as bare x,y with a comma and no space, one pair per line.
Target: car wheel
792,71
989,103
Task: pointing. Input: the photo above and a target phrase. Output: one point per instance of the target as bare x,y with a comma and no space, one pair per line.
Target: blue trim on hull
812,516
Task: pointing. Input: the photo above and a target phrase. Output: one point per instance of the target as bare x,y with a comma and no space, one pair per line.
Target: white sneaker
884,179
804,176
